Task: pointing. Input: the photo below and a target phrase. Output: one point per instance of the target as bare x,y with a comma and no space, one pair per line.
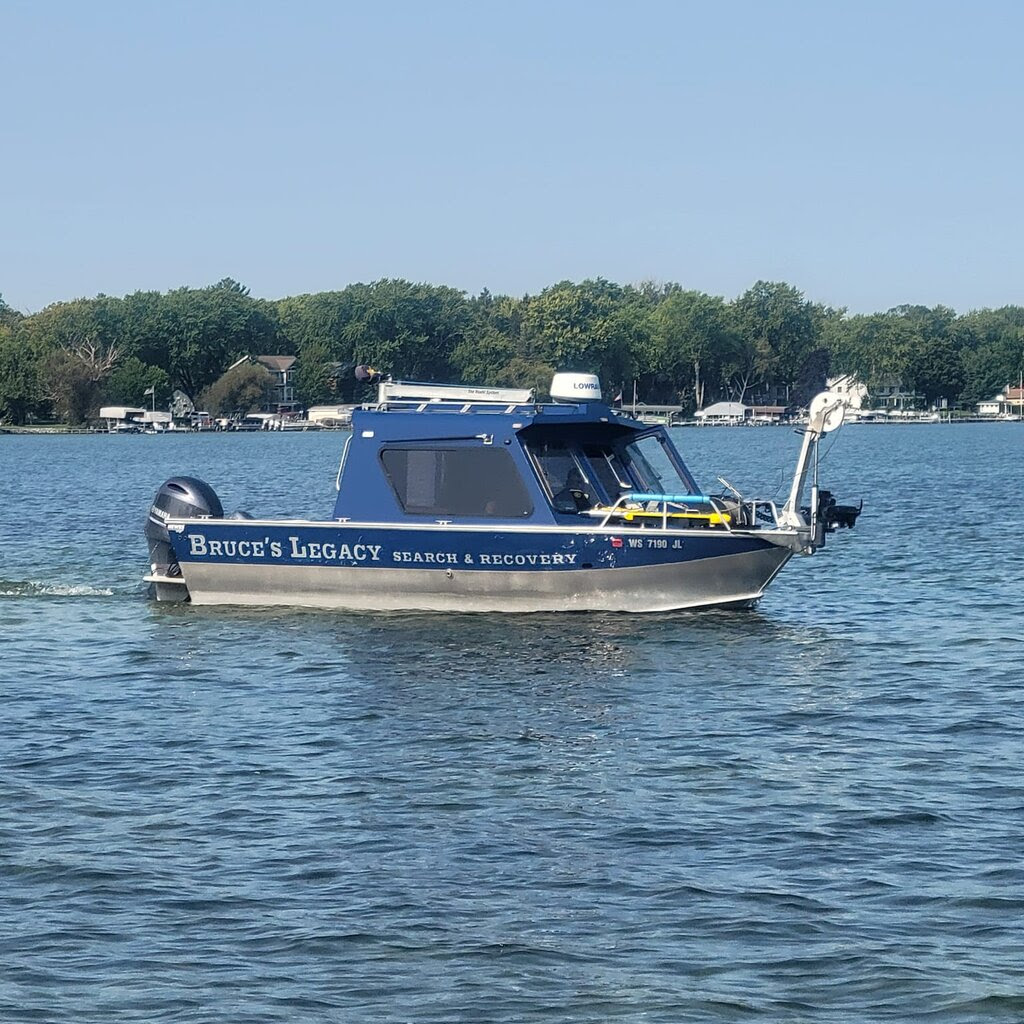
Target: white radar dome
575,387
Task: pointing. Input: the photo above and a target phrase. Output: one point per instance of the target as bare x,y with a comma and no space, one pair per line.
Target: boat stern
181,497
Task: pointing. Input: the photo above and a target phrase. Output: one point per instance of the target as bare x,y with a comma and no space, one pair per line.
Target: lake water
813,811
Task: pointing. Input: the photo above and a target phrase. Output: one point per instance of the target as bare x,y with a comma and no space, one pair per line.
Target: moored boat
458,498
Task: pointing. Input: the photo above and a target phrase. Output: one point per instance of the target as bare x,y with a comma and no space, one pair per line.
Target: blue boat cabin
476,463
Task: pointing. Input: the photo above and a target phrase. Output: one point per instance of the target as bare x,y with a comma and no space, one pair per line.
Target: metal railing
663,510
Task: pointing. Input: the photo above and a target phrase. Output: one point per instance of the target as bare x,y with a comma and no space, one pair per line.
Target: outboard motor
837,517
831,517
181,497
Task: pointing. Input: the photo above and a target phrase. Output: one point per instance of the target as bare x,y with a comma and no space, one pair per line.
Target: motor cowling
837,517
830,517
181,497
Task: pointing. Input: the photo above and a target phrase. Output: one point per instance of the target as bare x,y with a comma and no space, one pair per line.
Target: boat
461,498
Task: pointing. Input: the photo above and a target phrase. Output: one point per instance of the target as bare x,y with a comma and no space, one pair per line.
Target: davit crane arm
824,415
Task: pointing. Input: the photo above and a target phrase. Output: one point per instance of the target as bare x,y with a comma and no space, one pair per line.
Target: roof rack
434,406
391,390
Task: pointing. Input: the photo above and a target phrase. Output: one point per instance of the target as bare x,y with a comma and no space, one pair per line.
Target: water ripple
811,812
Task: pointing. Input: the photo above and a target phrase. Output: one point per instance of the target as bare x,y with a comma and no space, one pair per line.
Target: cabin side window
563,477
456,482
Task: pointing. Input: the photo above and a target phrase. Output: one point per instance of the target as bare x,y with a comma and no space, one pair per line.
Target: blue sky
868,153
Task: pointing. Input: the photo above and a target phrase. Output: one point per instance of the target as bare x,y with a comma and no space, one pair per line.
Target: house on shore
282,402
891,397
1008,404
854,393
761,414
282,367
737,413
646,413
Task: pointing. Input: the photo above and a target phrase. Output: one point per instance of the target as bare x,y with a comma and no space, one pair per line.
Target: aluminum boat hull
536,570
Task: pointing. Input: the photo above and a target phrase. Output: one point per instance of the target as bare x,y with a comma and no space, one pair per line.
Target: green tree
315,328
937,370
98,321
927,322
782,327
485,358
878,348
8,317
741,367
239,390
316,375
992,350
70,386
811,379
691,336
593,326
209,328
409,331
521,372
318,319
19,379
73,377
148,328
492,342
129,381
989,369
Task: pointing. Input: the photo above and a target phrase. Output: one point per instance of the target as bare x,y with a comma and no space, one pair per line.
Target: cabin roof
426,420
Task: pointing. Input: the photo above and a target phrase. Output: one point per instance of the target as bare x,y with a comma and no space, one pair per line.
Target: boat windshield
609,469
654,469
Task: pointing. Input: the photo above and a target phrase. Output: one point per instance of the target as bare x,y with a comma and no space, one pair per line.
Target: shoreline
60,430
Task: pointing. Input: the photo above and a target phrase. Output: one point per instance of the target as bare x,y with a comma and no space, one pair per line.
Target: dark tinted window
558,466
562,476
457,481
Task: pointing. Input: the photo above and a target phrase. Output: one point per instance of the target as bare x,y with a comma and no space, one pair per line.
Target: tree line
679,346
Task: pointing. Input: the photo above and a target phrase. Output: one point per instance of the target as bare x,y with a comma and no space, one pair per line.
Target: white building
854,393
120,419
1009,403
723,412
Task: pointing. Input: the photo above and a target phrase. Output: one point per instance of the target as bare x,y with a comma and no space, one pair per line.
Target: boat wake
34,588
